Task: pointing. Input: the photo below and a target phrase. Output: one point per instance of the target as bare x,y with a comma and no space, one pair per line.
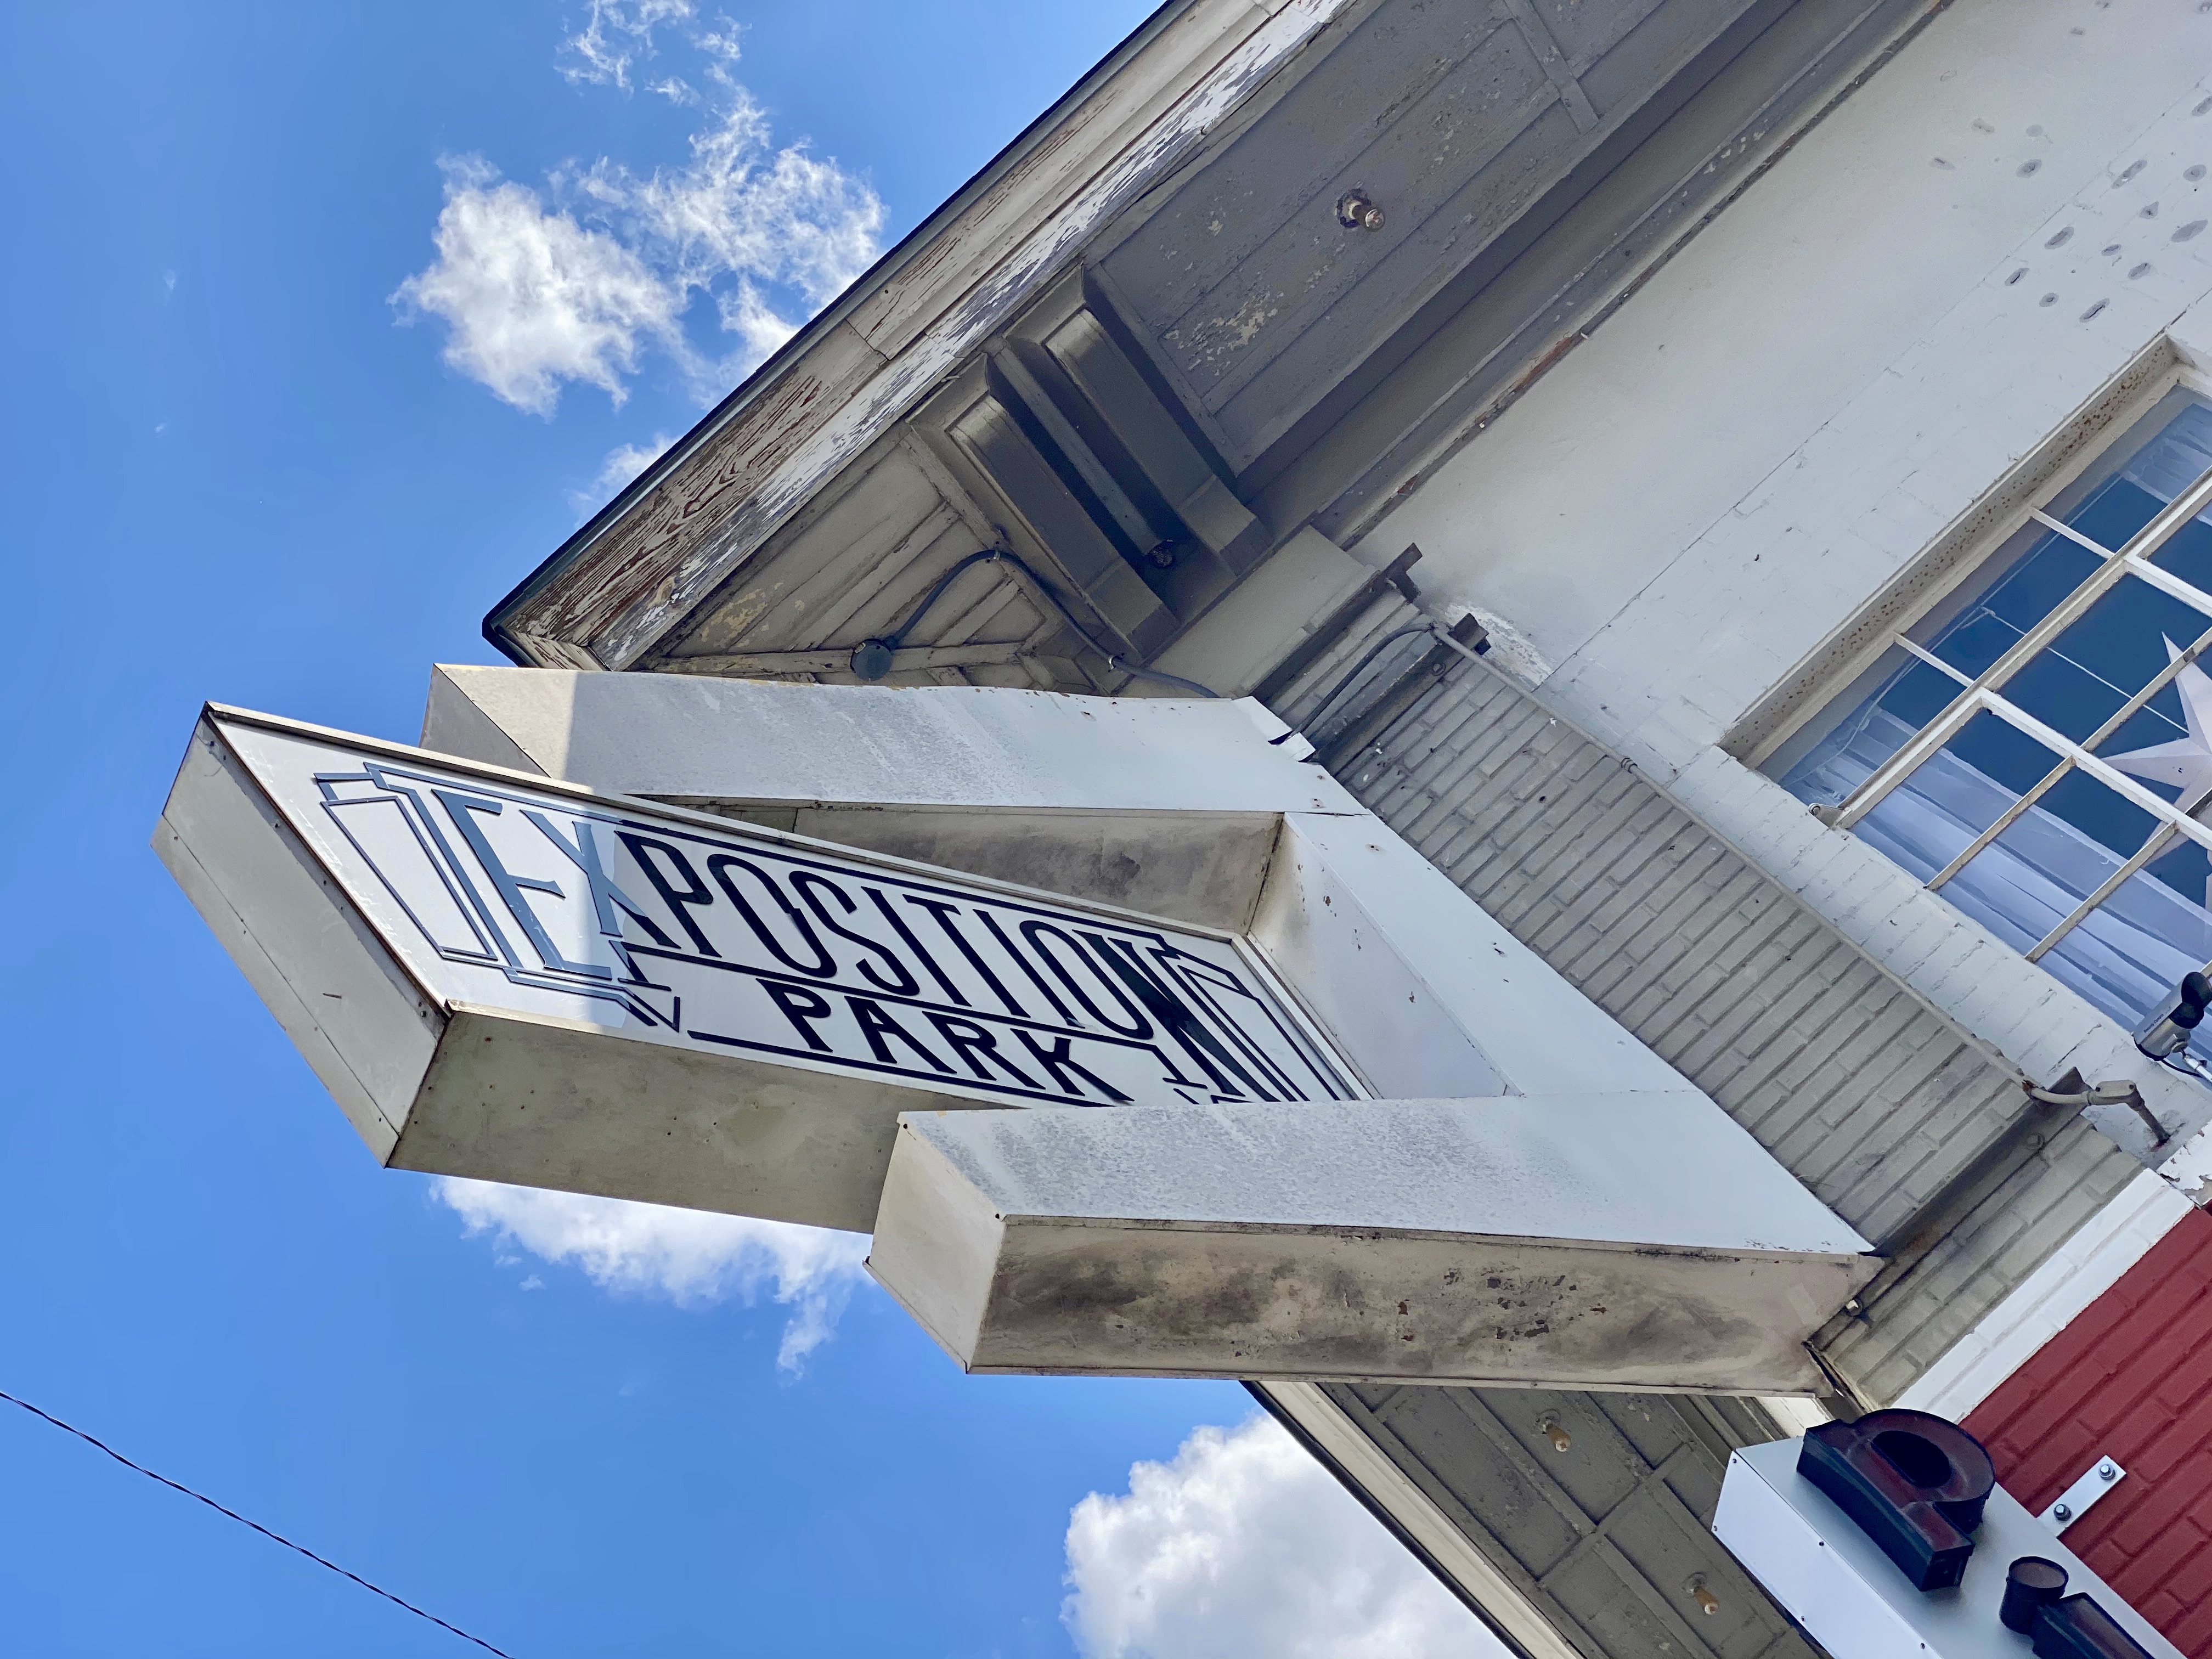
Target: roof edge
794,350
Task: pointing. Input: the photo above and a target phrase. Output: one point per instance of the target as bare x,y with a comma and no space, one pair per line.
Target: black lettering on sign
679,885
512,888
906,933
1055,1060
977,1049
1037,932
735,938
879,1028
2077,1628
823,965
1911,1481
1916,1484
811,888
802,1007
991,926
608,902
944,913
1177,1018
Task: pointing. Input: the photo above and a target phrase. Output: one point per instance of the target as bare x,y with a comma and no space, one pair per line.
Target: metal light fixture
2166,1031
1357,210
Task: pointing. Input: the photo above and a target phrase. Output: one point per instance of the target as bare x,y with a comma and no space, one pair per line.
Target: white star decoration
2186,762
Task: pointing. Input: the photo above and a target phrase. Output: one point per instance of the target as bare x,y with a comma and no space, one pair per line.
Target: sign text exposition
729,940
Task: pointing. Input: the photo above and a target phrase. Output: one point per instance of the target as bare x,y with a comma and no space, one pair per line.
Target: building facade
1727,482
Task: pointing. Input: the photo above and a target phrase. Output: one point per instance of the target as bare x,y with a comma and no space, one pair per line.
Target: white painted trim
1792,1412
1389,1487
2049,1299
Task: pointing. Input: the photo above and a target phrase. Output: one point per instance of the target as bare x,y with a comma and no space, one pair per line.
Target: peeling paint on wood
626,602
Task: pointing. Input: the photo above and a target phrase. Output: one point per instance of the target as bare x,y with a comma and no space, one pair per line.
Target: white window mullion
2167,582
2060,528
2160,839
1934,661
2168,520
1920,749
1973,848
2126,711
2119,782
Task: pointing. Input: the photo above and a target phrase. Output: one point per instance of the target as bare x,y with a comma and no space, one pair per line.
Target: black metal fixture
872,658
1357,210
2032,1584
2164,1033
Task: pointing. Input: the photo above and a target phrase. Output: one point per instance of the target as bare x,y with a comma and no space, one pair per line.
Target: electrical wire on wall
1436,630
871,657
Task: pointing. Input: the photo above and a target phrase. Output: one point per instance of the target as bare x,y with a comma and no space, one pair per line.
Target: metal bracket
2074,1503
2119,1092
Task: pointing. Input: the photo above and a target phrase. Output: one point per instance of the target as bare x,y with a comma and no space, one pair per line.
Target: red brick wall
2129,1379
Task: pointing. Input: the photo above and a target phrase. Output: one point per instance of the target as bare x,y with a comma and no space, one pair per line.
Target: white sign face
735,940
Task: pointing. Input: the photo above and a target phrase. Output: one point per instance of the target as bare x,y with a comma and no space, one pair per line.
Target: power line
100,1445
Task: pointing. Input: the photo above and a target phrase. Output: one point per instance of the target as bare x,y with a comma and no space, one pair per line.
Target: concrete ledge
545,1102
1575,1242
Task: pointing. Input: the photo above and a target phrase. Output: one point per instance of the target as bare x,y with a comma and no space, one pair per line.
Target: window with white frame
2038,747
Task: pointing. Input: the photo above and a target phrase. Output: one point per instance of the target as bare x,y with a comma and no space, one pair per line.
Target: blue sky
245,459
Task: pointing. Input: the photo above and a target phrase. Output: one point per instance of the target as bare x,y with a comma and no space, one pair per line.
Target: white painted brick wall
1914,451
1838,364
1875,1100
2015,1009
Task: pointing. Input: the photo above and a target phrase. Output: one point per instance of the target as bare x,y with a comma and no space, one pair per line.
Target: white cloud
1244,1547
692,1257
625,461
743,209
579,281
617,36
531,298
622,463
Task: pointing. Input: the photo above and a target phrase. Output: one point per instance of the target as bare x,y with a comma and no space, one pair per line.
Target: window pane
2053,567
2089,672
2092,811
2154,476
1964,788
1914,694
2159,725
2167,745
2184,871
2135,947
2050,857
2028,592
2155,925
2117,509
2188,554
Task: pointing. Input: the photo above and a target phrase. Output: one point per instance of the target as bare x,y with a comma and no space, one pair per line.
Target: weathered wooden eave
660,545
961,295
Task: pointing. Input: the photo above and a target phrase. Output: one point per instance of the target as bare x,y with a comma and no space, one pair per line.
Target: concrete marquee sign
1330,1121
739,939
531,900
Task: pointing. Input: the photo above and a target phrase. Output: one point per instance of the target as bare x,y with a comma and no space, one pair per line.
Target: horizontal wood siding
1608,1536
1257,296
